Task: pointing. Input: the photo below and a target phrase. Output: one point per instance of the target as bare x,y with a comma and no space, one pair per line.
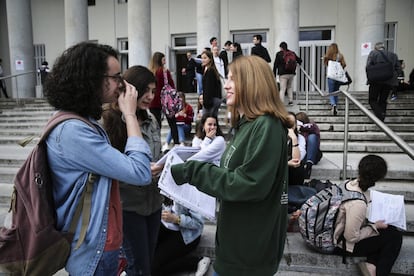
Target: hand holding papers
388,207
186,194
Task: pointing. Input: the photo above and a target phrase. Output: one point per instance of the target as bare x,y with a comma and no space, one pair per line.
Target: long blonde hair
256,90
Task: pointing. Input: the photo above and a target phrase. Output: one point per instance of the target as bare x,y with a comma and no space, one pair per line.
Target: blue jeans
183,129
108,264
312,148
140,240
333,86
199,78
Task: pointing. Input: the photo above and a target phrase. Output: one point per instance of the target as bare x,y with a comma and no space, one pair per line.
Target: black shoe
308,170
334,110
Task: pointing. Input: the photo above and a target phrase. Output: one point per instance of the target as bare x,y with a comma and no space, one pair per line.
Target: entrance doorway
312,62
180,63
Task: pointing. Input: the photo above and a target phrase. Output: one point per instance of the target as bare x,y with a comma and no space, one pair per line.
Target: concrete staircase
27,118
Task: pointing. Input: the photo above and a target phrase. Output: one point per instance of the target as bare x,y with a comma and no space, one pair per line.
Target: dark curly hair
371,168
76,81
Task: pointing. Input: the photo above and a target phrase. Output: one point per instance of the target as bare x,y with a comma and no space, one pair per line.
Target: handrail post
345,155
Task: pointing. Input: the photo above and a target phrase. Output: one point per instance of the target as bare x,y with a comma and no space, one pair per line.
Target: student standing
2,82
285,73
211,84
379,90
141,206
83,78
258,49
162,77
333,85
250,184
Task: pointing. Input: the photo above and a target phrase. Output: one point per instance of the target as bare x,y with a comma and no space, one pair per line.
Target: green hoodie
251,184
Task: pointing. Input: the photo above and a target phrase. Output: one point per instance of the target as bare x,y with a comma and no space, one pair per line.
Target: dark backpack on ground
33,245
289,59
318,216
171,103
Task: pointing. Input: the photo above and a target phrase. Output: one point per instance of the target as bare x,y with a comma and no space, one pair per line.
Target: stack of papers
186,194
389,208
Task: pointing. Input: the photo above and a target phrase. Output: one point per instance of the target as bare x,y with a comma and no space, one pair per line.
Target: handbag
380,71
336,72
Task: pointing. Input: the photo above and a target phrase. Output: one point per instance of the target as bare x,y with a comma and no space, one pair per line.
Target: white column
370,18
208,22
285,24
76,22
139,32
19,24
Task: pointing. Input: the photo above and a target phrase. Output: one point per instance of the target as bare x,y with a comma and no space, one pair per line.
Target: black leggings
381,250
172,254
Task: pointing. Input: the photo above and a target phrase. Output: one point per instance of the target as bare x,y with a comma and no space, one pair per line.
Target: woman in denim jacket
83,78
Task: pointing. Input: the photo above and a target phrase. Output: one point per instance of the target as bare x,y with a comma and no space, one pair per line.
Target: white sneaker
165,147
202,266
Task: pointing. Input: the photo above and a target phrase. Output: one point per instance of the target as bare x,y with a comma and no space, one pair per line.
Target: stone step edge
298,257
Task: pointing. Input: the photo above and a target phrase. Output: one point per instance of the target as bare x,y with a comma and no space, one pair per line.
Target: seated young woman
379,242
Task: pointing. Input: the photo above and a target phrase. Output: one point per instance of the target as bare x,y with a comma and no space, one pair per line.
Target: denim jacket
74,149
191,223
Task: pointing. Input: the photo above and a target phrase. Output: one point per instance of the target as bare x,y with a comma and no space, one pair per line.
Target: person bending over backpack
379,242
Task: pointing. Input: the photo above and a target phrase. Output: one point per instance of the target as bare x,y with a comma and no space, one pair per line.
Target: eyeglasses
117,77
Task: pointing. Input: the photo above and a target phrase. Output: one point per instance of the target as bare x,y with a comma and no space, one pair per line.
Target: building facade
35,30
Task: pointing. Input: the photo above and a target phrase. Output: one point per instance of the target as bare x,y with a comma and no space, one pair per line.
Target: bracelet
178,220
129,114
295,145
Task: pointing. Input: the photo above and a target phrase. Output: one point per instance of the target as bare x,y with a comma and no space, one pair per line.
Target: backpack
171,103
32,245
289,59
380,71
318,216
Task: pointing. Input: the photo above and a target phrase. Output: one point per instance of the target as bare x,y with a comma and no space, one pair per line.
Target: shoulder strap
84,205
165,77
59,117
384,56
350,195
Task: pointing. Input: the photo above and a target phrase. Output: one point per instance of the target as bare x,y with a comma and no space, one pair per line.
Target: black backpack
33,245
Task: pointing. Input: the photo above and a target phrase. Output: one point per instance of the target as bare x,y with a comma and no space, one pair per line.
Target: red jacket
188,110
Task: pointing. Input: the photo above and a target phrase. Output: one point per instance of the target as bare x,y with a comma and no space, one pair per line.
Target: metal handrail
389,132
16,75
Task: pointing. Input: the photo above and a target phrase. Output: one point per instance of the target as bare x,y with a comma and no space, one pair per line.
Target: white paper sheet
186,194
387,207
183,152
